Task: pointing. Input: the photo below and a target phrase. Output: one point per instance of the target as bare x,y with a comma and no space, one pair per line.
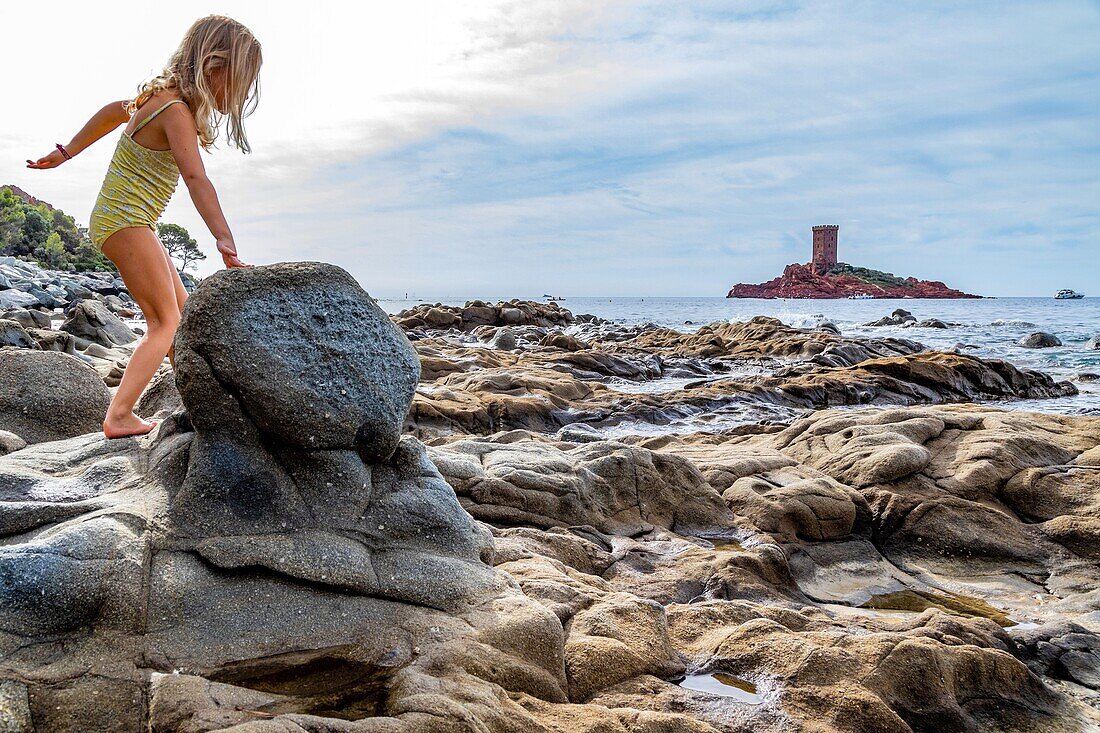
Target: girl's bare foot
126,425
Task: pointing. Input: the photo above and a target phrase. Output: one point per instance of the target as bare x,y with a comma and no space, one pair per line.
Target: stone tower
825,247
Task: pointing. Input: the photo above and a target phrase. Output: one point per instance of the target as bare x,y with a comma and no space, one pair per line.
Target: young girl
212,75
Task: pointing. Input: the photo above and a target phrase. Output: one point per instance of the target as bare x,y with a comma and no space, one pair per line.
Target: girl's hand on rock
229,254
54,159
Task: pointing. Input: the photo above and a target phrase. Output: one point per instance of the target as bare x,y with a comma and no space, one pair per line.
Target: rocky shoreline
507,517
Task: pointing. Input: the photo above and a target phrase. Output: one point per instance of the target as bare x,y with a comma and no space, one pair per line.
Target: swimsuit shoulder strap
163,107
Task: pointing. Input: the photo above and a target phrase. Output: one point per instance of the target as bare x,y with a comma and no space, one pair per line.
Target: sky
623,147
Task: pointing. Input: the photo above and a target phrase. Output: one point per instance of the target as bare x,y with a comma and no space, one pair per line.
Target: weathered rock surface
46,395
609,486
345,373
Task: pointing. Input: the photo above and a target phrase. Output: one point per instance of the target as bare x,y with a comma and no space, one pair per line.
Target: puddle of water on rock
916,601
1024,625
837,609
653,386
727,545
720,420
723,685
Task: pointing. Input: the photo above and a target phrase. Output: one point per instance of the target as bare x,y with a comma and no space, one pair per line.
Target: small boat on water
861,296
1068,294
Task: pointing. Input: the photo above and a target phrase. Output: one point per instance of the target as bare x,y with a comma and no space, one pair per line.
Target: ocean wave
802,320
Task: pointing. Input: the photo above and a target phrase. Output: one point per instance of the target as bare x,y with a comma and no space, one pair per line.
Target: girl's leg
140,259
181,295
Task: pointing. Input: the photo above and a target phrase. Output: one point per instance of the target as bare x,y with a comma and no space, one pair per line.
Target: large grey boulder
48,395
93,322
1039,340
304,351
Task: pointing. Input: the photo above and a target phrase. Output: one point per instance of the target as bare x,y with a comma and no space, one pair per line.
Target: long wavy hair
213,42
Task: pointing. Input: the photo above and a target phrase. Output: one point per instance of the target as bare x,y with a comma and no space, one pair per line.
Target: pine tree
180,245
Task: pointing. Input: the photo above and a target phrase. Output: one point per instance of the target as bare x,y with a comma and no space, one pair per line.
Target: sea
987,327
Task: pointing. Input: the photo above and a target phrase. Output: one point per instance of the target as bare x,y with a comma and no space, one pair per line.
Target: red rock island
824,277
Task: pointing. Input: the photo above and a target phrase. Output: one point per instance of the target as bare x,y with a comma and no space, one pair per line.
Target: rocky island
456,519
825,277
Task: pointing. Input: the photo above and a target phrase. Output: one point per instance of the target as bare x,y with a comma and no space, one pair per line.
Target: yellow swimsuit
139,183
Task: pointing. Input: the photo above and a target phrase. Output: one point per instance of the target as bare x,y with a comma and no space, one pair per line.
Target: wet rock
92,322
1039,340
1093,343
504,340
46,395
927,377
900,317
759,337
1063,650
563,341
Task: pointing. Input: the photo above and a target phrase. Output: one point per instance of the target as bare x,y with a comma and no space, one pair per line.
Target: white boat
1068,294
861,296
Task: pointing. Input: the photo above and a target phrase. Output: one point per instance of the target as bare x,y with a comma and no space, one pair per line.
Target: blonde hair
211,43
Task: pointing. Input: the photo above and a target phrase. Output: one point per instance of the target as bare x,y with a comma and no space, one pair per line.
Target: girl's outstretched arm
102,122
183,138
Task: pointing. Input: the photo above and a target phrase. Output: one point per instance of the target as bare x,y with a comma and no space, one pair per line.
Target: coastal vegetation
869,276
34,230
